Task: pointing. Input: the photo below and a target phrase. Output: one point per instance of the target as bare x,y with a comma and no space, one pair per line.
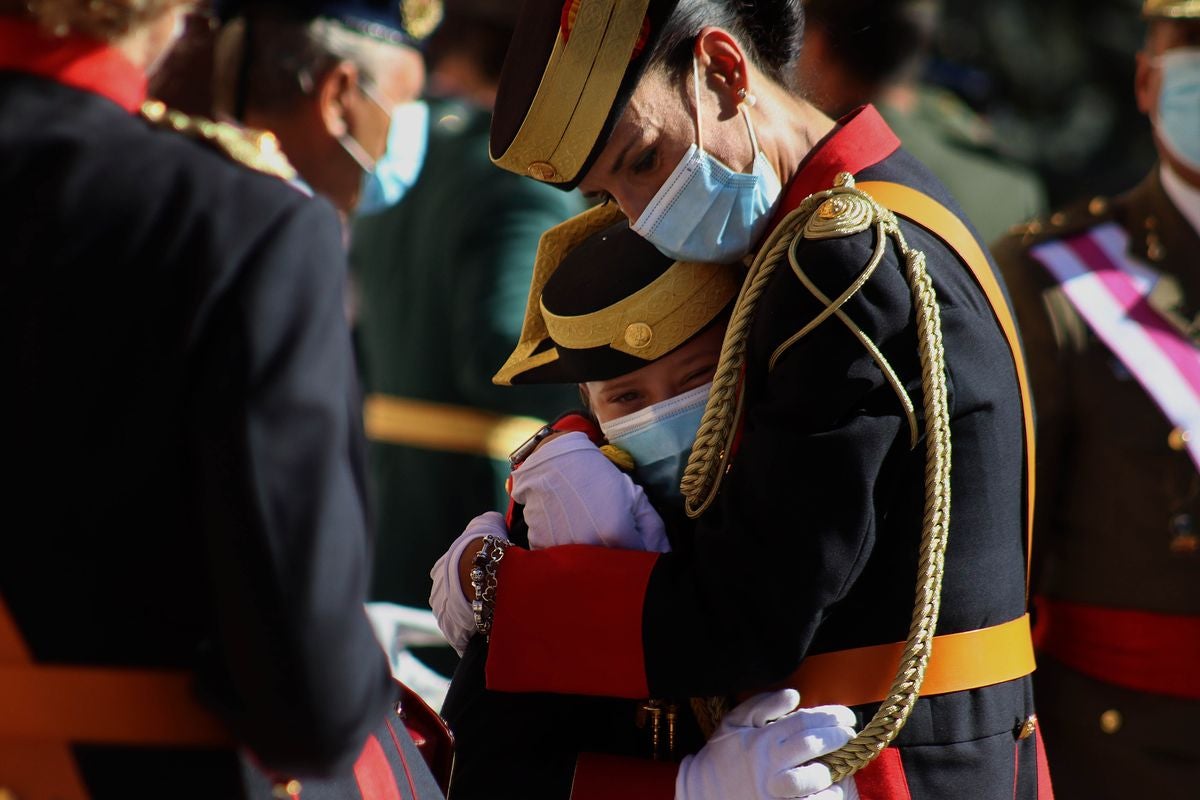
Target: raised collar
1185,196
861,139
76,61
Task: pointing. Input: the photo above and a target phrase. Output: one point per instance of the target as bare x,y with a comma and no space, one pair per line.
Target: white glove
573,494
762,749
448,601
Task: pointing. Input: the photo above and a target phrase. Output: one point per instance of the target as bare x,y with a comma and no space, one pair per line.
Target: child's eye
627,397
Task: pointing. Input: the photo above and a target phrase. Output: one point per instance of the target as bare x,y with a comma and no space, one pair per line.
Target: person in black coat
183,445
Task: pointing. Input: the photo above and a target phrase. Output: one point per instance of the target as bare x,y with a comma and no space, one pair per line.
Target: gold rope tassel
843,211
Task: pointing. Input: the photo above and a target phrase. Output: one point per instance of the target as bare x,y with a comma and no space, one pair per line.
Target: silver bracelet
483,581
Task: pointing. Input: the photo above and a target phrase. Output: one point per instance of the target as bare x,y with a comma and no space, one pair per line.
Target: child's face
689,367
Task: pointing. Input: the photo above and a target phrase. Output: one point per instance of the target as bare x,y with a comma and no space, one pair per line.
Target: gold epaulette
1069,221
258,150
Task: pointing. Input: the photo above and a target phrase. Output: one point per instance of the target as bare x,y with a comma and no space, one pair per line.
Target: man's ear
1143,84
336,94
724,67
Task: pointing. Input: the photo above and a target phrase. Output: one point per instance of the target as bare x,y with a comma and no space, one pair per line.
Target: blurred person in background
1107,295
333,79
1052,79
873,51
185,555
443,271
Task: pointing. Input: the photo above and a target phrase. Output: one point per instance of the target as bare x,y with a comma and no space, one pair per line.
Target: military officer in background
1107,295
185,550
873,51
328,77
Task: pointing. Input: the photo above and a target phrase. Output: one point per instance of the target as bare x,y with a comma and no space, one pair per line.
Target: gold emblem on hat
542,170
421,16
639,335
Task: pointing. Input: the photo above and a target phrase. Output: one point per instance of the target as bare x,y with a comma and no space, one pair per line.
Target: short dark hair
269,59
772,30
876,41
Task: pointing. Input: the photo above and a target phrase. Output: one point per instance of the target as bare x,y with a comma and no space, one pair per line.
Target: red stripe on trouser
412,788
374,774
1045,789
883,778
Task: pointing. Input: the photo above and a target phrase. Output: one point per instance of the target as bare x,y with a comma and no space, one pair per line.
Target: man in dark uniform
442,246
185,554
1106,294
815,476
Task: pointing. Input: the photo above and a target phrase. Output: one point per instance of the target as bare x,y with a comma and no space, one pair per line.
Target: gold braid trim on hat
1171,9
576,92
843,211
657,318
553,247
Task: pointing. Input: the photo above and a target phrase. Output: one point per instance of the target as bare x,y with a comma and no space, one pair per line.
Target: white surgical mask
1178,119
706,211
659,438
387,179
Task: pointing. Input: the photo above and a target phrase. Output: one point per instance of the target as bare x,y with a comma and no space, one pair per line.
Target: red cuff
568,620
600,777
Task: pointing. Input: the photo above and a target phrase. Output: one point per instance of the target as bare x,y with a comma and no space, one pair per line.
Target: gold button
1058,219
1111,721
1178,439
1028,727
1098,206
542,170
288,790
639,335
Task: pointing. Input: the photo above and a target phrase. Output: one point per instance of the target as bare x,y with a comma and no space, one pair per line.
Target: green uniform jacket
443,279
956,145
1117,506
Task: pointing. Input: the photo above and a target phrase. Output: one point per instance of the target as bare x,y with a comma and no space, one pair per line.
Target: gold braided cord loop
706,465
819,217
910,675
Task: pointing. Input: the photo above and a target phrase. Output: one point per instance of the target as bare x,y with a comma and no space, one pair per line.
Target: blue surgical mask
706,211
388,179
660,440
1178,122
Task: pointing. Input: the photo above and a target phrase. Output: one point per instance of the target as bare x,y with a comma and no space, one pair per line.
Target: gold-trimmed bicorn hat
570,71
605,302
1171,9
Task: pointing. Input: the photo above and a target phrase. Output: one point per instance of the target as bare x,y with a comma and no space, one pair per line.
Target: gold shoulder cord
258,150
843,211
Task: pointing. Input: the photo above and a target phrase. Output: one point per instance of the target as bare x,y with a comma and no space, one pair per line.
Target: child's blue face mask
660,440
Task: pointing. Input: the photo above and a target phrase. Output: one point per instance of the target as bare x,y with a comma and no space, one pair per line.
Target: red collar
75,61
861,140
